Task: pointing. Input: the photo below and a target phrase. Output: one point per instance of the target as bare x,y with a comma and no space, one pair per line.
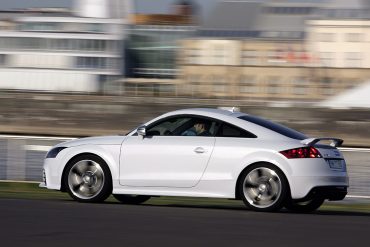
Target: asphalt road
68,223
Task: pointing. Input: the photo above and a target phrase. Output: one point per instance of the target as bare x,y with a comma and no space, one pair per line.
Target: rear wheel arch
251,166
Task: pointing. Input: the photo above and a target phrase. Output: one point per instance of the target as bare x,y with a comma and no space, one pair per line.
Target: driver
199,129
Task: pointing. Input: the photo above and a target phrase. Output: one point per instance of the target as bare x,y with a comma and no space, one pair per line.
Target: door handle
200,150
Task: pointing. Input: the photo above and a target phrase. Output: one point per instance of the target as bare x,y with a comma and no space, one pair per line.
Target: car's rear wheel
88,179
263,187
306,206
131,199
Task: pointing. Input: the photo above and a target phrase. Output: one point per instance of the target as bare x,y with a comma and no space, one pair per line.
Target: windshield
281,129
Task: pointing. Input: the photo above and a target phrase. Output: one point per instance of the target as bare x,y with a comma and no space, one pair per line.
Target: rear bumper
301,187
332,193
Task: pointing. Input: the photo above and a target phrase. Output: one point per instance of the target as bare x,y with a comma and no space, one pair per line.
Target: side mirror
141,131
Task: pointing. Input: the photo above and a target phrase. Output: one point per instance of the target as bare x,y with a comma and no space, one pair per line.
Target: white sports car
202,153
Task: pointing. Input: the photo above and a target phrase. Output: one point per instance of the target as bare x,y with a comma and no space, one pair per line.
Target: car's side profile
202,153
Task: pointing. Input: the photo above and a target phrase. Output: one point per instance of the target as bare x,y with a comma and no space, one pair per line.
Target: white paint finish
164,161
98,140
54,167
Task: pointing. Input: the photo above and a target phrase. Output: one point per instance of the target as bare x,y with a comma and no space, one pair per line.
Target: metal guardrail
21,159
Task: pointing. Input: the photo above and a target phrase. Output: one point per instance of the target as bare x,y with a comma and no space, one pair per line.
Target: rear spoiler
335,142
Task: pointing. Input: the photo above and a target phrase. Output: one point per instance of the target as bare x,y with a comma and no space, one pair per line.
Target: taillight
304,152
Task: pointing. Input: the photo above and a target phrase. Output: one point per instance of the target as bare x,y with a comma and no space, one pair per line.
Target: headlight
54,152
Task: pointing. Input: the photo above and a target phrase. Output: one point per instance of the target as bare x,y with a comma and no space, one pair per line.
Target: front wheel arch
238,181
64,173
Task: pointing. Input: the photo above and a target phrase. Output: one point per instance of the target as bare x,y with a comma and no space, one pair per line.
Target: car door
165,157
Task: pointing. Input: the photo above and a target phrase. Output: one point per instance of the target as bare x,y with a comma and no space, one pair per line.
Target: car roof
207,111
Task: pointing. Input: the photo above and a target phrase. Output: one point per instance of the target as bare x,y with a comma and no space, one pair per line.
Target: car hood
100,140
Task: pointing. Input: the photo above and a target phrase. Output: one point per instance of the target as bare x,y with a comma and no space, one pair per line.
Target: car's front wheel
87,179
131,199
263,187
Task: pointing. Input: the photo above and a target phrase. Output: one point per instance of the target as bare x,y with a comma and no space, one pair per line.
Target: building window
300,90
300,80
300,85
95,63
193,84
219,55
273,85
248,84
354,37
2,59
59,44
275,57
219,84
327,37
193,56
29,43
96,28
327,59
328,91
219,87
353,59
250,57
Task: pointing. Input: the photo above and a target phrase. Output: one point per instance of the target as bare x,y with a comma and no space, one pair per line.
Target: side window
201,127
169,127
184,126
228,130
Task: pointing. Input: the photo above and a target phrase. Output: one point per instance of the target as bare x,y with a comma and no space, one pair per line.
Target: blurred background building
60,50
277,50
152,49
290,50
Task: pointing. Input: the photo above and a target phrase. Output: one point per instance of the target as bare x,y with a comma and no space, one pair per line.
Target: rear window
281,129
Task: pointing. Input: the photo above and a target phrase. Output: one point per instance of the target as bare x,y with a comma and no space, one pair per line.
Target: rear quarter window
281,129
227,130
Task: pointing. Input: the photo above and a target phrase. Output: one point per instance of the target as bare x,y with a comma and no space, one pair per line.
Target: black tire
269,190
304,207
131,199
87,178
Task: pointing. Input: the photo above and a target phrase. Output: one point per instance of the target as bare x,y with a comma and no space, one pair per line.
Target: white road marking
39,148
356,196
360,150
